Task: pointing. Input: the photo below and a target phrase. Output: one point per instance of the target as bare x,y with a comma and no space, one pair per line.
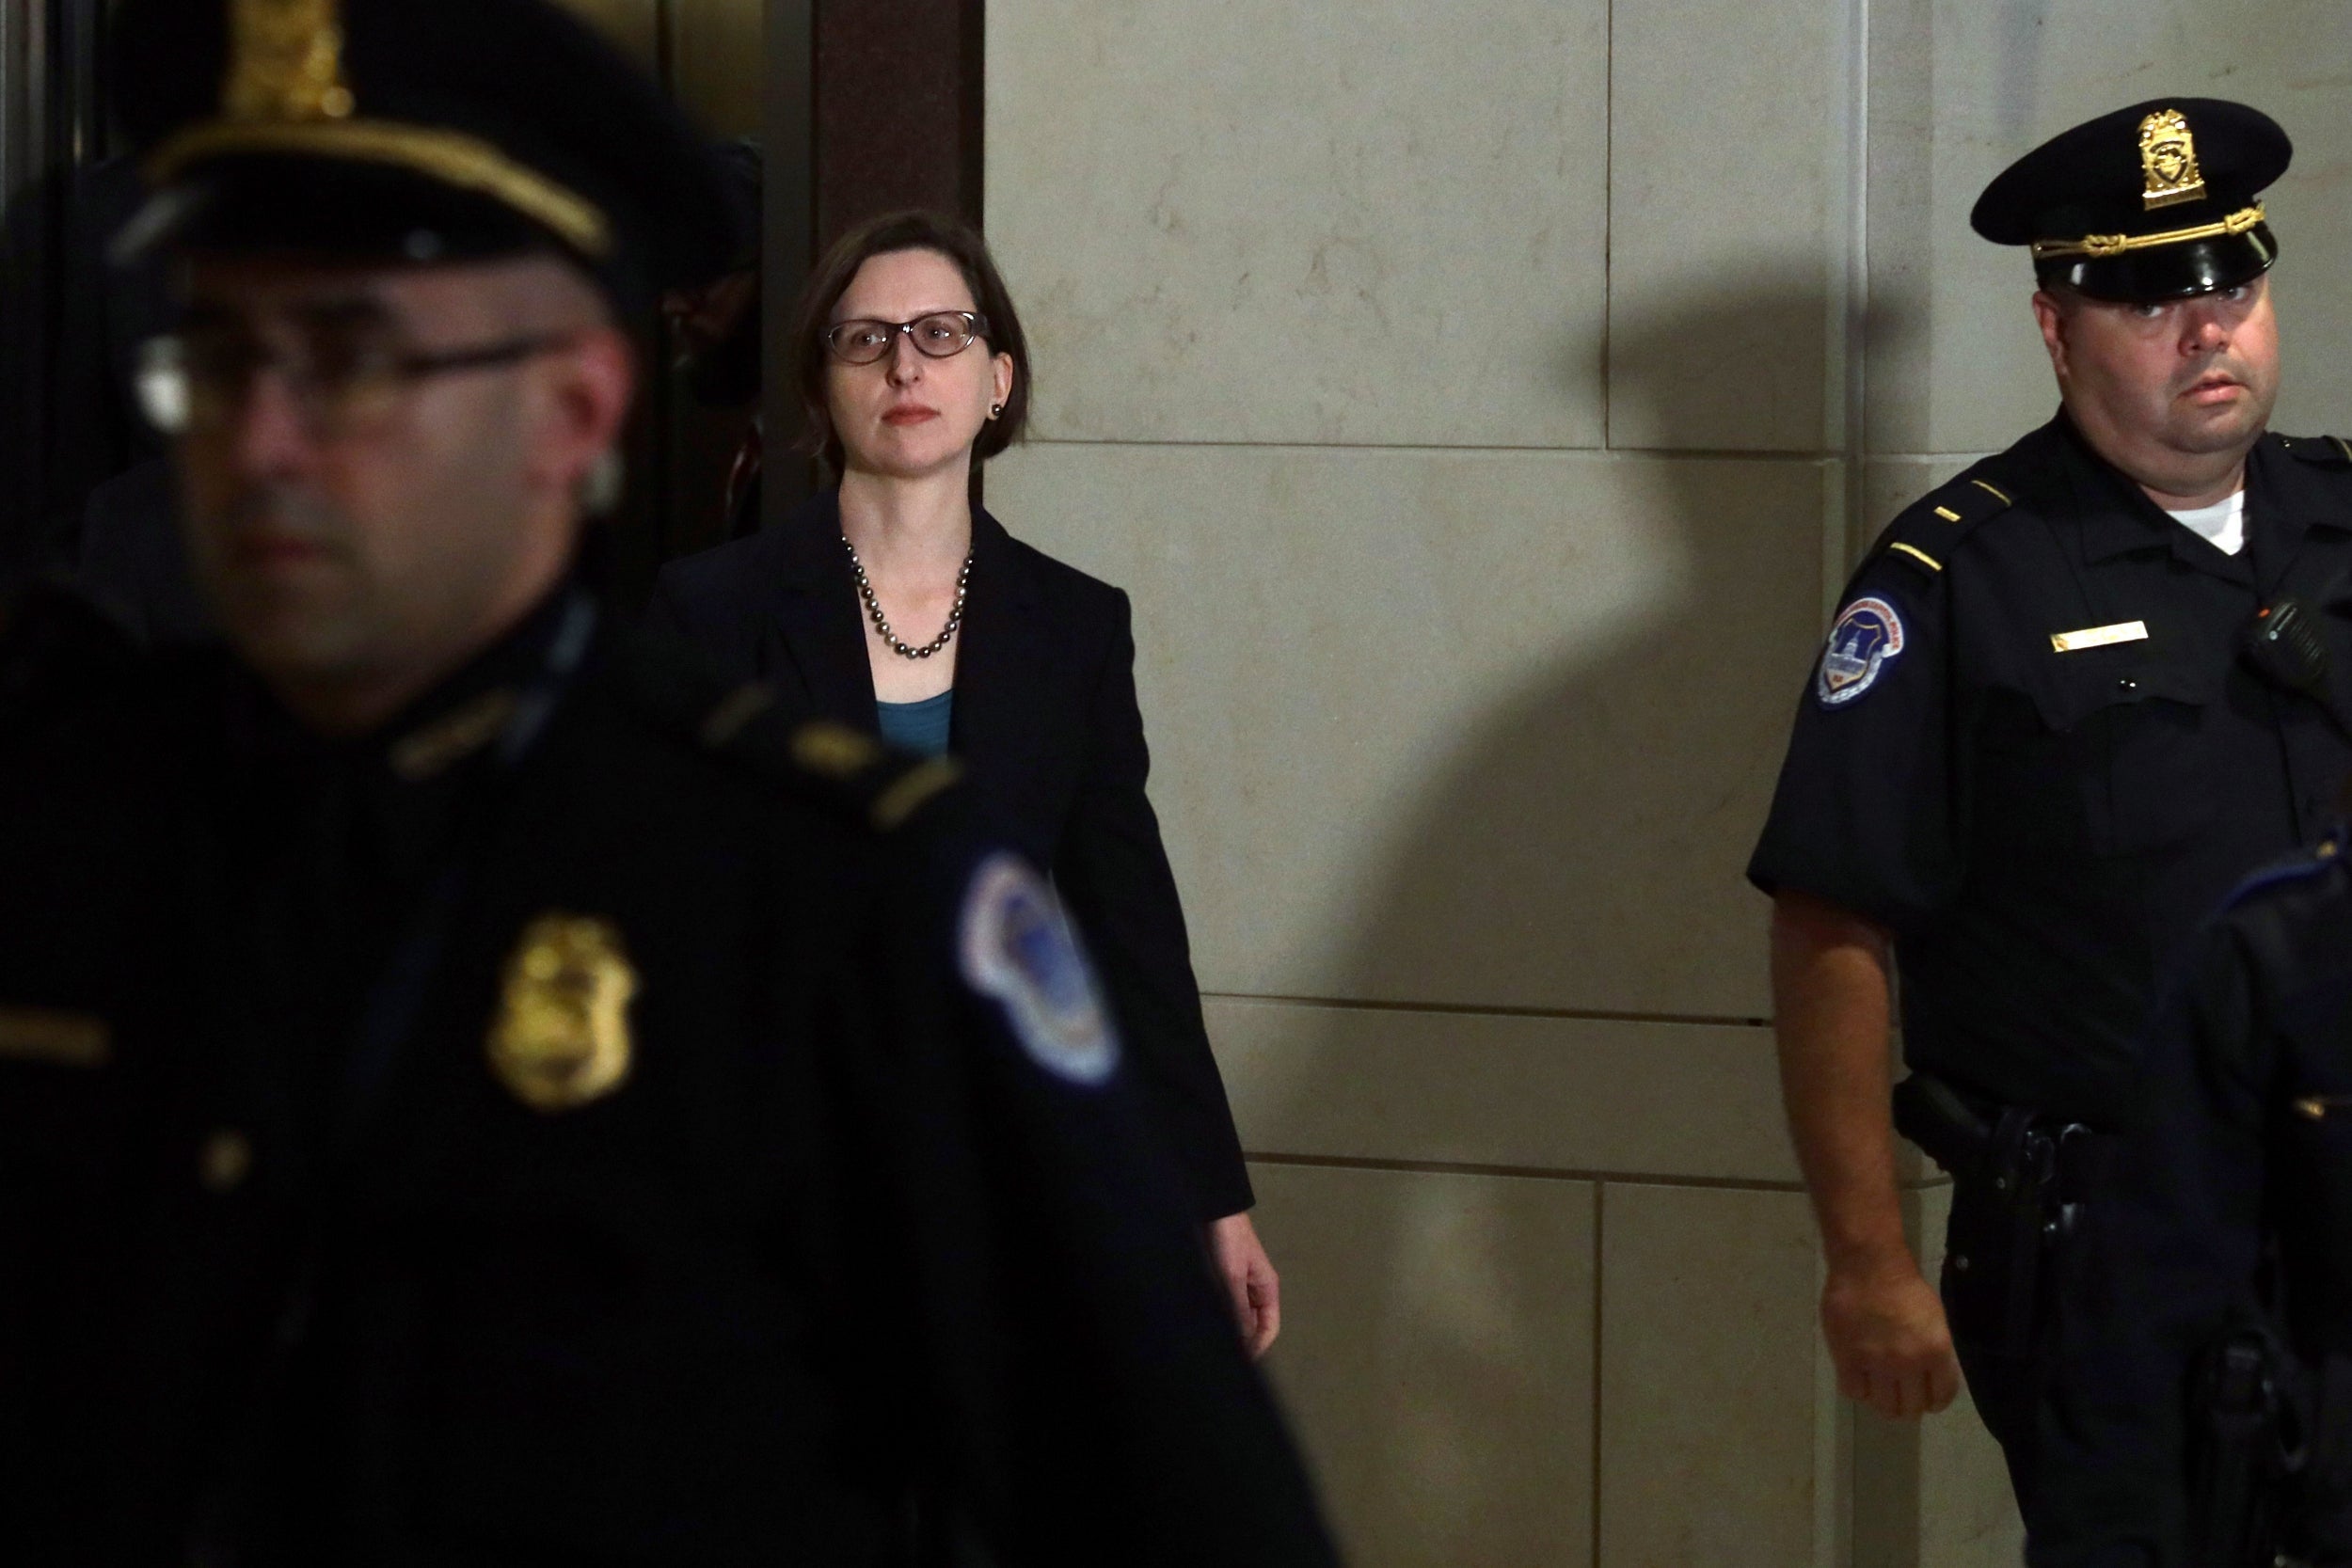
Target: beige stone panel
1377,223
1729,196
1956,364
1600,1096
1487,729
1718,1438
1437,1357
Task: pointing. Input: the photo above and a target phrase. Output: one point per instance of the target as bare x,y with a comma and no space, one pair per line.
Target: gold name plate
2099,637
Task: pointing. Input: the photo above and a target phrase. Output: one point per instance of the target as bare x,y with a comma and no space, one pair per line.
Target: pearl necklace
881,624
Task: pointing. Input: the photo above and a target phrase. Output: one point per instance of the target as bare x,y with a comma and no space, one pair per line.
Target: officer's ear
584,383
594,379
2052,312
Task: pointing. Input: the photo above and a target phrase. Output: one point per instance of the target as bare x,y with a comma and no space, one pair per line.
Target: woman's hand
1249,1280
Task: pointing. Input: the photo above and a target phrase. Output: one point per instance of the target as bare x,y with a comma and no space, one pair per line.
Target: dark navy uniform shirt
2033,752
2241,1152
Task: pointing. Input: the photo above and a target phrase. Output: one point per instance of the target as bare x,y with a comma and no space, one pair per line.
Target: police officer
2070,699
2202,1416
553,1110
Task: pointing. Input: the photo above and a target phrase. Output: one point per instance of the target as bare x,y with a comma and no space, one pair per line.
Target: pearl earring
994,410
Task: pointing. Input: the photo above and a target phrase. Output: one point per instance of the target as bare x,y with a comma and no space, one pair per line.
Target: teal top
920,727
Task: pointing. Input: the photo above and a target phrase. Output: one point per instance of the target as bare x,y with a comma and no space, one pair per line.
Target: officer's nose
2203,331
269,433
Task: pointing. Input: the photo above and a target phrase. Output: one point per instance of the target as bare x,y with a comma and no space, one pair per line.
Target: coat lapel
814,617
1006,666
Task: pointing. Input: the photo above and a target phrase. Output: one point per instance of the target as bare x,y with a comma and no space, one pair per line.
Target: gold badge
285,61
224,1161
2167,156
562,1036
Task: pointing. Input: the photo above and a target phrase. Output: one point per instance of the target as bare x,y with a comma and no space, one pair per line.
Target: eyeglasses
942,334
339,385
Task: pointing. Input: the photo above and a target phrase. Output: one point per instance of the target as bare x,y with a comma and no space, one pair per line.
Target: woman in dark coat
892,606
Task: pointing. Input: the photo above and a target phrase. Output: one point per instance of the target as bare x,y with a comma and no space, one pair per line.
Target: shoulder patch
2328,452
1926,532
1867,637
1016,946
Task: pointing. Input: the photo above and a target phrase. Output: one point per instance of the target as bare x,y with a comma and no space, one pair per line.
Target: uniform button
1960,1262
222,1162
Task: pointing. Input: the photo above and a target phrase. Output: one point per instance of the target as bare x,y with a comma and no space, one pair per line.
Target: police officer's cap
414,130
2157,201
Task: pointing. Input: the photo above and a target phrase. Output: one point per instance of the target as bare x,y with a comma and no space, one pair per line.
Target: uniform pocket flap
2082,683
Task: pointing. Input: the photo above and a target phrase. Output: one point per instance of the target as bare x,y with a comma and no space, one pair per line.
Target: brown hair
895,232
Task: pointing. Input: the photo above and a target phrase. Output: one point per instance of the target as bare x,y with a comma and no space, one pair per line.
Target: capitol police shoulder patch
1867,637
1017,947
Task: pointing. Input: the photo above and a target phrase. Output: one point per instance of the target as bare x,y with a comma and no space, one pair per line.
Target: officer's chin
2212,428
283,617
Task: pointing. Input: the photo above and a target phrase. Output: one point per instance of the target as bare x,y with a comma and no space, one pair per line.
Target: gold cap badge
562,1036
285,61
2167,156
285,95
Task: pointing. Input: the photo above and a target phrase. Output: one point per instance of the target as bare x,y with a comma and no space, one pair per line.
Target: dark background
863,107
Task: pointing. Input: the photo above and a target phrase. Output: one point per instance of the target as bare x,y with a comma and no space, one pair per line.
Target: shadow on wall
1579,850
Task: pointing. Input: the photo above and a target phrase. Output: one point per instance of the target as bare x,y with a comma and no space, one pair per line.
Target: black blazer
1046,720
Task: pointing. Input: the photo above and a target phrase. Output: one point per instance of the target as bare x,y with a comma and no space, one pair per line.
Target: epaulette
1928,530
2328,452
846,771
2304,865
883,786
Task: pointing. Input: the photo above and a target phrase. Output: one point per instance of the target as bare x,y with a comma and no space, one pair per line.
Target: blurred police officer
2070,698
2202,1410
568,1114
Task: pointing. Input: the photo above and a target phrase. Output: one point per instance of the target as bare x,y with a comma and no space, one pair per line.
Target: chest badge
561,1038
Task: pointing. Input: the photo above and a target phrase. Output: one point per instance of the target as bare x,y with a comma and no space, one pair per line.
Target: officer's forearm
1830,996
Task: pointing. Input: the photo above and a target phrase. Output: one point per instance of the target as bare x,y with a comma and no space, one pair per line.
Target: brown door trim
898,92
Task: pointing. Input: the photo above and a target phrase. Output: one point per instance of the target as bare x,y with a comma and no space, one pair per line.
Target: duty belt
2020,1181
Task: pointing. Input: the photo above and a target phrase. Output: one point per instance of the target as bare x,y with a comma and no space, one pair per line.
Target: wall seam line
1724,454
1608,215
1533,1173
1601,1265
1471,1009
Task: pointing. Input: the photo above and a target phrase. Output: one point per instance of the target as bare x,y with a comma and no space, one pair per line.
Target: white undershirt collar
2221,525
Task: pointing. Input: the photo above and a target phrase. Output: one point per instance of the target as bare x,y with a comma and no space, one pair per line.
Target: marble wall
1483,403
